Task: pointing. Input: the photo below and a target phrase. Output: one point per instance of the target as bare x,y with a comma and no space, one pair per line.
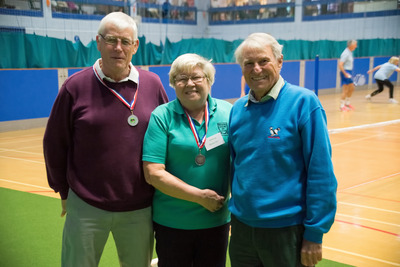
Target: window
251,11
21,7
88,9
178,12
336,9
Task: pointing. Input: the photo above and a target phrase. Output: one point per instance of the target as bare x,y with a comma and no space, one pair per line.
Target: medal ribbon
131,106
200,142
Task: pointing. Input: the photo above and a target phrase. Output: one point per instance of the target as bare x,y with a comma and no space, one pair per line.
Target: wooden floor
366,157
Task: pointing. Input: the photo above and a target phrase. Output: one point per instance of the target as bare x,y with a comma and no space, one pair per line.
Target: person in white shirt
382,78
346,68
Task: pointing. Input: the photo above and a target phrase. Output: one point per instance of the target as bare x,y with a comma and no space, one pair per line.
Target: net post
316,74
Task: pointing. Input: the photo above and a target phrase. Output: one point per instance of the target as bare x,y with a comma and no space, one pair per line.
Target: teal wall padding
21,50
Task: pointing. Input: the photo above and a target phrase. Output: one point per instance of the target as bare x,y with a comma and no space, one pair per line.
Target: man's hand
311,253
64,207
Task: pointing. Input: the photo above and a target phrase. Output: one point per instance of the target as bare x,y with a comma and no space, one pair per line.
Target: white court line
20,151
20,140
368,207
373,181
31,185
356,140
362,256
26,135
378,124
27,160
364,219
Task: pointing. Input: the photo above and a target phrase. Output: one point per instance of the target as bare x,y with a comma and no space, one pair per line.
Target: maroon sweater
89,146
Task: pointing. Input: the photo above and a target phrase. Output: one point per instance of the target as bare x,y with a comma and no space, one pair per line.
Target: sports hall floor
366,157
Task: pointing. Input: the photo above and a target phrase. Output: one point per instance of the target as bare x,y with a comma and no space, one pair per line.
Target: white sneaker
368,97
393,101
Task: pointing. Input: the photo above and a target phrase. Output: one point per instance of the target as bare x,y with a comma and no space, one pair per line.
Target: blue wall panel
27,94
327,74
309,79
30,93
326,77
162,72
227,81
380,60
290,72
72,71
361,66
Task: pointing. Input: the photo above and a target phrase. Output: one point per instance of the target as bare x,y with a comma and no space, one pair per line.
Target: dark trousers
380,84
191,248
264,247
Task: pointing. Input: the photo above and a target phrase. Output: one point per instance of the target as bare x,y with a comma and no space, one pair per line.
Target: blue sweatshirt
282,169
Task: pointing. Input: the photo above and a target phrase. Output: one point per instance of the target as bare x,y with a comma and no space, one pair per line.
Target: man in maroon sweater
93,151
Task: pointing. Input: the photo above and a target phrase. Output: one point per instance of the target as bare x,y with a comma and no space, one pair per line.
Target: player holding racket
346,68
382,78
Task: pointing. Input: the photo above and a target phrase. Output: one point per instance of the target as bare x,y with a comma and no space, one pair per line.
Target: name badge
214,141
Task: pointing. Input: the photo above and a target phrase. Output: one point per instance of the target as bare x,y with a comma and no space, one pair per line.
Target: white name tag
214,141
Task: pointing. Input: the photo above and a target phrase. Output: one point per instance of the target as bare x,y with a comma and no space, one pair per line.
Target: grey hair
187,63
258,41
121,21
350,42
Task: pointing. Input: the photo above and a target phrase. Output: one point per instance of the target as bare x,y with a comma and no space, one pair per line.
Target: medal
199,159
133,120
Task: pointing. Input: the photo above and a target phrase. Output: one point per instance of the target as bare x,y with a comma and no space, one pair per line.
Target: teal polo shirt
170,141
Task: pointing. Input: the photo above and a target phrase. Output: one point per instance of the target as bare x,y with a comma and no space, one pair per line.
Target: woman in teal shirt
186,158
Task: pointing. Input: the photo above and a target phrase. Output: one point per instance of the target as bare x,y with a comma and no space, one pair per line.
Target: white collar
133,74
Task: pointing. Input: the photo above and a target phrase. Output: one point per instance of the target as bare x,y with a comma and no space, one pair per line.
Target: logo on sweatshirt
274,133
223,127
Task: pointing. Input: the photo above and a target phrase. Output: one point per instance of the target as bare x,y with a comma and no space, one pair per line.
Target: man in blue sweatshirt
283,184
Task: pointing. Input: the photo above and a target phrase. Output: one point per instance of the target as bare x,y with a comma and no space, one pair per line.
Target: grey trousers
87,228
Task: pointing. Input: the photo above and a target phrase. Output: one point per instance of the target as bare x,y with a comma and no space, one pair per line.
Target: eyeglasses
112,40
183,80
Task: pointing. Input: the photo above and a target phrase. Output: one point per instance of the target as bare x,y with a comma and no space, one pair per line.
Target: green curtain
12,48
20,51
219,51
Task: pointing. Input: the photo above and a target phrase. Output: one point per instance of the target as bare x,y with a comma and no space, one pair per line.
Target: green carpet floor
31,230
